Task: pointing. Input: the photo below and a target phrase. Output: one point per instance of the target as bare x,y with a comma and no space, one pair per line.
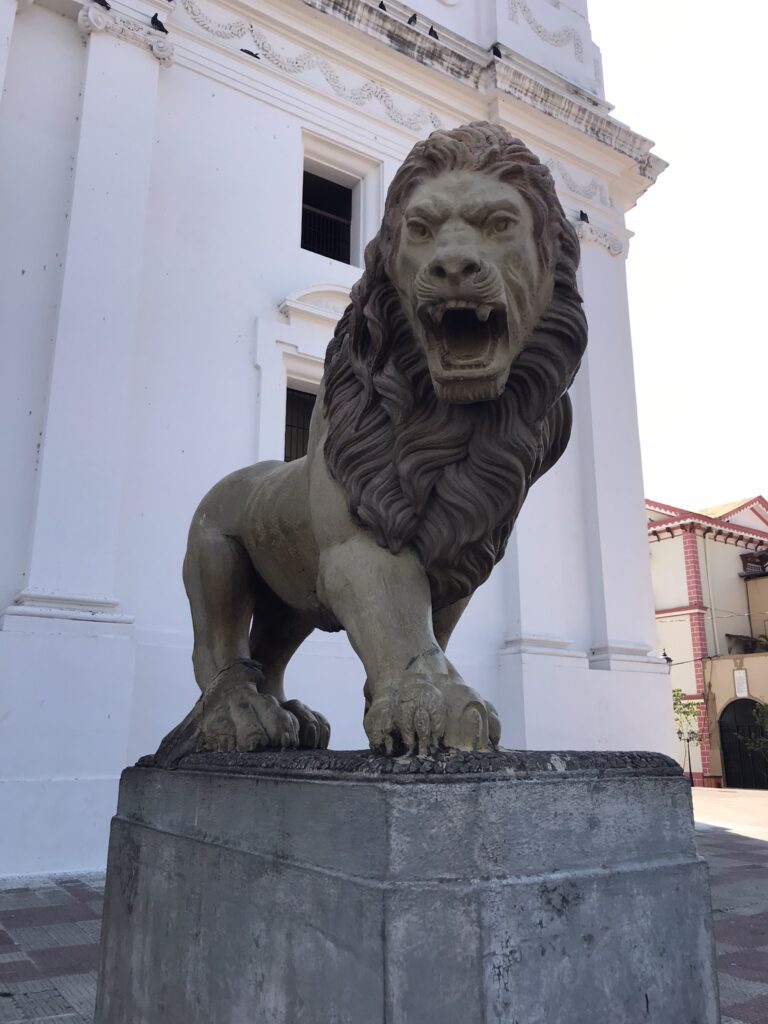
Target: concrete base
345,888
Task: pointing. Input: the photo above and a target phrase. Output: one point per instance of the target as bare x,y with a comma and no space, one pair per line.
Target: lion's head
445,383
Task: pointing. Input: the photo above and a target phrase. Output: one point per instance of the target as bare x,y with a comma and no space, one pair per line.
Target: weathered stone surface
346,888
506,763
443,399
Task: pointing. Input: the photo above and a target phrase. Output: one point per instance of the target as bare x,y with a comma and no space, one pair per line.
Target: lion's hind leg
221,584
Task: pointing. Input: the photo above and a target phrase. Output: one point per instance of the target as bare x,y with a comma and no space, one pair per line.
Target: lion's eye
500,225
418,230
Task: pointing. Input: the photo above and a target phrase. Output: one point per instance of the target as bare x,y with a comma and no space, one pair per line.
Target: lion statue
444,398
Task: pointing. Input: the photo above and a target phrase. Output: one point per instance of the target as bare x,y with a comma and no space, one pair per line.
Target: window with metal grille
298,412
326,218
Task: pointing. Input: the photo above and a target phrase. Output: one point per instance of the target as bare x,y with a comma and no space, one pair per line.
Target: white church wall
211,309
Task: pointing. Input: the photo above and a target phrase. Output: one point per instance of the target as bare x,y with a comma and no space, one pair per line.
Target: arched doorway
744,768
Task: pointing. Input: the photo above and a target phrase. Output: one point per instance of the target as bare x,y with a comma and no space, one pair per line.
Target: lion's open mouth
464,333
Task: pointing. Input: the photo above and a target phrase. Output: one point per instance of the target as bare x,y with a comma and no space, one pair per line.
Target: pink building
710,586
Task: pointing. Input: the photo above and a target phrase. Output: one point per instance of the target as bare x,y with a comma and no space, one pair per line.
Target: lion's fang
482,313
436,312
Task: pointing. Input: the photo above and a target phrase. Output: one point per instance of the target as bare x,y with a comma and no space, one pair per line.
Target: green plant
686,712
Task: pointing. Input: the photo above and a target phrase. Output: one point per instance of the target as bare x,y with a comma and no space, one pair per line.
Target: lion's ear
555,432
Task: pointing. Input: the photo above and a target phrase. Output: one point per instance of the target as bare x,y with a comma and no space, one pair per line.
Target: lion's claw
314,730
473,723
421,715
410,719
237,717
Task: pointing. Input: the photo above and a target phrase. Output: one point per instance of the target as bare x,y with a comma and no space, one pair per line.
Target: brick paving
49,947
49,932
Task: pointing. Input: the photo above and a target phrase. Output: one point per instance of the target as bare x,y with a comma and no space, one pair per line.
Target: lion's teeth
483,312
436,312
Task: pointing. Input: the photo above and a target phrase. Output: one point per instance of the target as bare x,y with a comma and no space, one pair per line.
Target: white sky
690,74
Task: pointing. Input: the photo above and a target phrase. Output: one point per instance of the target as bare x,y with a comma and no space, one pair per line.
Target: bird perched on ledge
158,25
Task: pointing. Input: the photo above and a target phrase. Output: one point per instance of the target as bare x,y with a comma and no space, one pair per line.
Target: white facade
156,302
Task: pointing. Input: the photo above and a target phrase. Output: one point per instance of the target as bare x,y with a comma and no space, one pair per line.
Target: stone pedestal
346,888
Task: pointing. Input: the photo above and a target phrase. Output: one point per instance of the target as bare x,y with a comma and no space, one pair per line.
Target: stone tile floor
49,933
738,867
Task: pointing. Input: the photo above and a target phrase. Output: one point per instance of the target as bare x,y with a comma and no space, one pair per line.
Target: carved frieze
307,61
565,36
599,236
592,189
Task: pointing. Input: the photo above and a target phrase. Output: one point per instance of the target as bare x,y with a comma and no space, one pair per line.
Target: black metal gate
743,768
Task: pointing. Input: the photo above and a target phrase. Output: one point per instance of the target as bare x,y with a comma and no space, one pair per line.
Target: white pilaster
8,10
71,571
619,573
542,649
537,620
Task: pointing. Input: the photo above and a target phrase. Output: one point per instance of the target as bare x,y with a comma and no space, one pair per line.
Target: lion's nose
453,269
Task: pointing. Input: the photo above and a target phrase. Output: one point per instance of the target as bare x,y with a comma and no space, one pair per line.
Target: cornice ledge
577,114
451,53
94,18
512,75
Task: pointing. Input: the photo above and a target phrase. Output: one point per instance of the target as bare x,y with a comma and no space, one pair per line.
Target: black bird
157,24
250,53
495,51
412,20
583,217
382,6
104,4
433,33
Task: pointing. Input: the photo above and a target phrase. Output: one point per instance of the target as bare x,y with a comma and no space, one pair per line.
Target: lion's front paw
409,718
314,730
237,717
472,723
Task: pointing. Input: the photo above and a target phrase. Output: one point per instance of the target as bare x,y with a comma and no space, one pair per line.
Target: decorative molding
593,189
361,96
37,604
94,18
590,233
561,37
633,657
323,302
536,643
301,368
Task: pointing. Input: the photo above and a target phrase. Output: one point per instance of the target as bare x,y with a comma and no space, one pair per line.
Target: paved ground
49,928
49,933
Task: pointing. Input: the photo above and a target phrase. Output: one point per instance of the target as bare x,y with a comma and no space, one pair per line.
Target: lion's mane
449,479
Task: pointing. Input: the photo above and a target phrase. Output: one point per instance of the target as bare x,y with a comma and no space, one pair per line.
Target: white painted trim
356,171
301,370
550,646
324,303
